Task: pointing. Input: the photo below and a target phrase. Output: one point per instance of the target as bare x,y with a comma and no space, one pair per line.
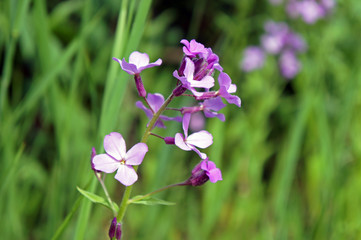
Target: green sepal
98,199
149,201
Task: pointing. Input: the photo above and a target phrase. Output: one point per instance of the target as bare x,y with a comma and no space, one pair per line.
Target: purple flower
289,64
212,171
226,88
201,139
137,63
117,158
188,80
192,48
328,5
274,39
112,228
310,11
295,42
209,107
156,101
204,171
253,58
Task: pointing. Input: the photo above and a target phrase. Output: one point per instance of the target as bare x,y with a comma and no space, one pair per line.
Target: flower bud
169,140
179,90
118,231
112,228
91,160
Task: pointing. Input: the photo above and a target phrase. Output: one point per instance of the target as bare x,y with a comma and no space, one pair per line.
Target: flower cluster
309,10
196,74
281,41
278,40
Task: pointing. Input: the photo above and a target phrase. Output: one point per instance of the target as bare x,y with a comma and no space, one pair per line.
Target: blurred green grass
290,156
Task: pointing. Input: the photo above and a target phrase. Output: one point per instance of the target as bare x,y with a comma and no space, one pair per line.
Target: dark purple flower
118,231
117,158
201,139
156,101
137,63
289,64
112,228
204,171
253,58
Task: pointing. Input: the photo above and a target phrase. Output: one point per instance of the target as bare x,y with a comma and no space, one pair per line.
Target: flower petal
155,64
206,82
224,80
139,59
214,104
179,142
214,175
114,145
136,154
200,154
105,163
201,139
147,111
185,123
155,101
126,175
128,67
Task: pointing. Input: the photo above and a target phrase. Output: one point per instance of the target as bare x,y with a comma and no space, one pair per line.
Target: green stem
128,190
154,192
106,192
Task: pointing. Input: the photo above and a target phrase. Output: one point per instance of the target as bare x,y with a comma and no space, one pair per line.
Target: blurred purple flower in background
278,40
253,58
289,64
309,10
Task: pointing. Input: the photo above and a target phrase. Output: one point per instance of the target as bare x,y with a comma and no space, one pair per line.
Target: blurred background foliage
290,155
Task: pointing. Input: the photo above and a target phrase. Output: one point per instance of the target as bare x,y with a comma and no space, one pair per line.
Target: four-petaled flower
117,158
156,101
137,63
201,139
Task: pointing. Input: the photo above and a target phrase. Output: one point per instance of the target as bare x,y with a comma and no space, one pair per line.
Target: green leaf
149,201
98,199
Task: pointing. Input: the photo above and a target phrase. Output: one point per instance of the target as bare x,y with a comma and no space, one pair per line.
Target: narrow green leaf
149,201
98,199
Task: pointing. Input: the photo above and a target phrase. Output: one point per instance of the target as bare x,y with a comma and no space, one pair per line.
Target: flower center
122,162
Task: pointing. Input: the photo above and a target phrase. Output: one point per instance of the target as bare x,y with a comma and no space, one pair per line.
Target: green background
290,156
